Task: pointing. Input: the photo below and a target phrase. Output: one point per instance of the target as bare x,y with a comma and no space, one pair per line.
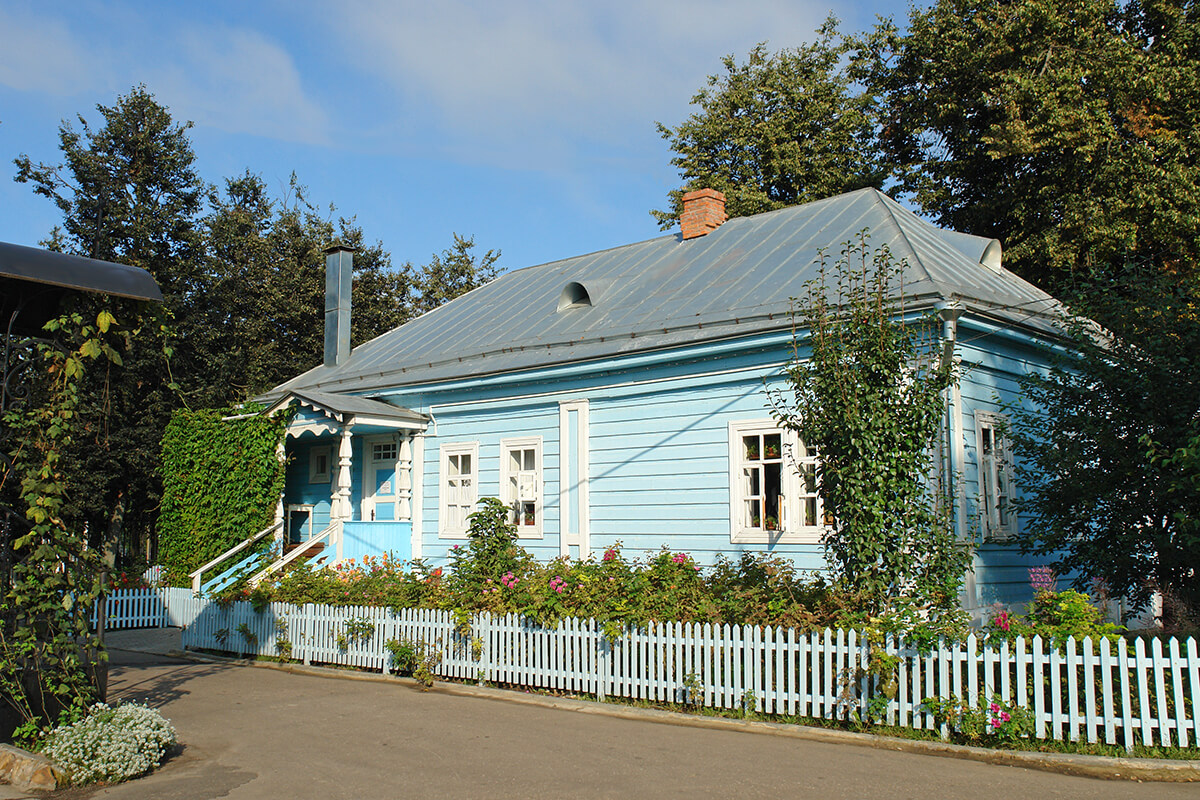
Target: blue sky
527,124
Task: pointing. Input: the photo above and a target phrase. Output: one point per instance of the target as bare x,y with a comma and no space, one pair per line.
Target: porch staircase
245,560
234,564
314,550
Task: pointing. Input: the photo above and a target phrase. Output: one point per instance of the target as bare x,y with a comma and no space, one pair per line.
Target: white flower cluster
111,744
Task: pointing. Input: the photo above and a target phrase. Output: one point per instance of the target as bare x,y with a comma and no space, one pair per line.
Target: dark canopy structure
34,281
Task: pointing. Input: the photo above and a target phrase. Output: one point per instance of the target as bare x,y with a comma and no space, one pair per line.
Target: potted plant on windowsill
772,524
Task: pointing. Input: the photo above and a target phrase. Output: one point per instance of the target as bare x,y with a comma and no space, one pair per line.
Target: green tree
1109,471
243,276
263,321
870,398
128,192
777,130
1068,130
456,271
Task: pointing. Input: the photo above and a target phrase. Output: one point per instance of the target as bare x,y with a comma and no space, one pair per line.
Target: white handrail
301,549
237,548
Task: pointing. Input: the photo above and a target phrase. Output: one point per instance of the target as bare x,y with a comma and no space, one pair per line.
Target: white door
380,492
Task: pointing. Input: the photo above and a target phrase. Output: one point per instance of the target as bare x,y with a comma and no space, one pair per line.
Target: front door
380,492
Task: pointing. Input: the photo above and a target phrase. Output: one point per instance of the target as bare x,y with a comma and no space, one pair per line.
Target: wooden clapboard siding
658,443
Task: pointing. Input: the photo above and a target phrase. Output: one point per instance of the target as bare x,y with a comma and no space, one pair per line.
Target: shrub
111,744
494,574
996,723
1054,616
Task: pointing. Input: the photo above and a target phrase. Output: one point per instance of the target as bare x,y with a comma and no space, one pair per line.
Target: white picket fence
1124,694
144,608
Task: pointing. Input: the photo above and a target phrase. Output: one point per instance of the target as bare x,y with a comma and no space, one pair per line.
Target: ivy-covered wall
221,483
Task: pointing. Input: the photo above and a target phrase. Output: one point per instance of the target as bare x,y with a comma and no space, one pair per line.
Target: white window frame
315,475
507,494
995,477
469,502
792,529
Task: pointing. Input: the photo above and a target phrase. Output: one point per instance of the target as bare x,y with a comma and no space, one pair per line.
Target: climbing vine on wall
54,578
221,482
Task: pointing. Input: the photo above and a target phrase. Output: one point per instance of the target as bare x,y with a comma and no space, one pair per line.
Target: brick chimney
703,211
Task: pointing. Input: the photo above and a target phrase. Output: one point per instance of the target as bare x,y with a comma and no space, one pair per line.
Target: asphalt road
261,733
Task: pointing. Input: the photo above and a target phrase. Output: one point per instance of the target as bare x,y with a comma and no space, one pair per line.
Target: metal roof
343,406
666,292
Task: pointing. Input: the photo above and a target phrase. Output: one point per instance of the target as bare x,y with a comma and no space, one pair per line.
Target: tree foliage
456,271
242,275
776,130
1068,130
870,398
129,193
1110,471
266,278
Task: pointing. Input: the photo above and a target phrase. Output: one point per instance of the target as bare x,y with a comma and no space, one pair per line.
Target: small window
383,452
521,483
997,517
319,464
458,487
773,486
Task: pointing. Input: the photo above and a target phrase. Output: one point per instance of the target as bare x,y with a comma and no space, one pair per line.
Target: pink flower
1004,715
1042,579
994,707
610,554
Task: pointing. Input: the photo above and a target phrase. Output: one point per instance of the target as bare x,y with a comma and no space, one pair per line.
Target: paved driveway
261,733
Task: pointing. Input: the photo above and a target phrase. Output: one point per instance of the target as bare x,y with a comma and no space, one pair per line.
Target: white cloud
239,81
234,79
42,55
517,79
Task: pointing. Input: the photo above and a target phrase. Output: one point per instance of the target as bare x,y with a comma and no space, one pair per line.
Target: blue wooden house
622,396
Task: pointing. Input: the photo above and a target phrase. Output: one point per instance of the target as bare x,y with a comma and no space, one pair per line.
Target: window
458,490
318,464
521,483
383,452
773,486
997,519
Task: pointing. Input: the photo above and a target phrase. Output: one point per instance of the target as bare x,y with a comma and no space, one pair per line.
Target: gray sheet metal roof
665,292
341,406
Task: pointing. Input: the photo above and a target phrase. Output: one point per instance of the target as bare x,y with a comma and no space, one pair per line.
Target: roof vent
992,255
574,295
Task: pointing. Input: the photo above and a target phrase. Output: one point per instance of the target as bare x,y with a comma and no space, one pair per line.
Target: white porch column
341,508
404,482
281,454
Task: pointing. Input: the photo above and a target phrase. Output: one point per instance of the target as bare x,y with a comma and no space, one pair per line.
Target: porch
348,489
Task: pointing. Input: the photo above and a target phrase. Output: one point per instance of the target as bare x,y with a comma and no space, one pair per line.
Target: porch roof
345,407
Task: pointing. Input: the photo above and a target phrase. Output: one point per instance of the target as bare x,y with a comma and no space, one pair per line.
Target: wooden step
313,550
